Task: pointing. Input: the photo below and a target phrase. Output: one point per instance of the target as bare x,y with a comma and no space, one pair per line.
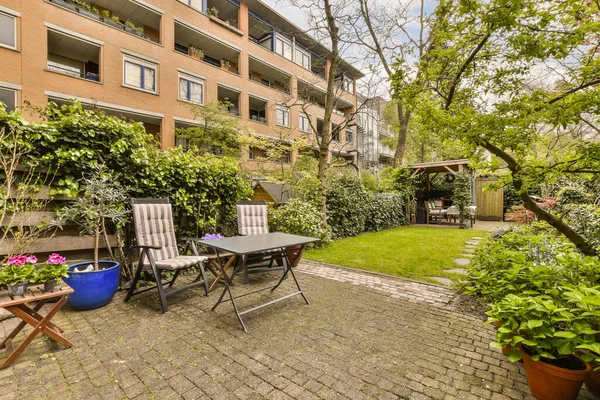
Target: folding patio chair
252,216
157,246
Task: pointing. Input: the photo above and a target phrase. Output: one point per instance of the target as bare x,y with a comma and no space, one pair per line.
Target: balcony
257,108
268,75
193,42
223,11
73,57
124,15
230,96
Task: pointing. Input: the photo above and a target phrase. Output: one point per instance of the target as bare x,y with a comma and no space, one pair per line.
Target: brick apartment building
146,60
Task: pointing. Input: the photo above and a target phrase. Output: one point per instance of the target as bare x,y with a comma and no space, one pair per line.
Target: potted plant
17,273
105,15
103,201
546,332
197,53
213,12
225,64
52,272
133,28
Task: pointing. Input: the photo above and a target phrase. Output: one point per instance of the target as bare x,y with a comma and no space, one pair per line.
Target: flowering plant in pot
103,202
546,331
17,272
52,272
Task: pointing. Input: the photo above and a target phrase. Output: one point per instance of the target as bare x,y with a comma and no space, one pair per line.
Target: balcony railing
65,70
112,22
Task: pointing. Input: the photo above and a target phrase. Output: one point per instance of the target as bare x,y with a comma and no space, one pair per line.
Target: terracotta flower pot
548,382
592,381
506,349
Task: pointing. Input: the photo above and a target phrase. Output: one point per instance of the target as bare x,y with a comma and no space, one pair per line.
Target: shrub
573,195
386,210
585,220
347,206
299,218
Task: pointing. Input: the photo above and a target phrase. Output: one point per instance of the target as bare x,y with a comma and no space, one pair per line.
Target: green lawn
413,252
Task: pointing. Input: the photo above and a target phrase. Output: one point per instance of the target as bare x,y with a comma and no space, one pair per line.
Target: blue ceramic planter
93,289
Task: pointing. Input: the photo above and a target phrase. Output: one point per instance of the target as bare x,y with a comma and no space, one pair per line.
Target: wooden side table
19,307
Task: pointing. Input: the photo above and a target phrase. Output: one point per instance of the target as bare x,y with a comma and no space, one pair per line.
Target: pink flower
32,259
56,259
17,260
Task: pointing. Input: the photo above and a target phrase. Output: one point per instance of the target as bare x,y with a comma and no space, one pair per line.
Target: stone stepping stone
477,238
467,255
443,281
462,261
469,250
472,243
457,271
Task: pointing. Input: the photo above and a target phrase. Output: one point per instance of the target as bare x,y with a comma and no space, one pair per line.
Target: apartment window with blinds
191,90
283,116
283,47
197,4
304,123
8,31
139,74
302,58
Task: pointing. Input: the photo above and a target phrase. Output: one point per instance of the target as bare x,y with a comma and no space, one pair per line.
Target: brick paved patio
363,336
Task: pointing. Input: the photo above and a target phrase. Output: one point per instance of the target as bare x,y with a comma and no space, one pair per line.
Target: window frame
190,80
144,64
14,18
351,133
284,41
285,110
300,124
15,94
303,53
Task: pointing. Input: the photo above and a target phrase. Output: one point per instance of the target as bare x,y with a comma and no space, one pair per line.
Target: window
349,137
8,31
251,153
335,133
302,58
191,90
283,116
283,47
197,4
348,84
183,142
286,157
304,124
140,74
9,98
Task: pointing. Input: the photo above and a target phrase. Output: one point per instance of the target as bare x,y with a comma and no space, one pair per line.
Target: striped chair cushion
252,219
154,226
180,262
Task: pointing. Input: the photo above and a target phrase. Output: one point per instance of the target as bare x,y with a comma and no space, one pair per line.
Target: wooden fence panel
489,202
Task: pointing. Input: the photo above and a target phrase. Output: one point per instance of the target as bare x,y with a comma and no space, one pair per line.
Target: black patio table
288,247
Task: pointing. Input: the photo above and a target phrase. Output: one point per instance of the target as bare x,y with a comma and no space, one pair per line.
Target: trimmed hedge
386,210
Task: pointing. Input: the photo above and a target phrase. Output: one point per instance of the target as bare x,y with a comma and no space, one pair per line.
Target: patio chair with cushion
433,212
157,249
252,216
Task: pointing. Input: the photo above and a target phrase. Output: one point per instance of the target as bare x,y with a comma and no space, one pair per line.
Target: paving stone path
463,261
363,336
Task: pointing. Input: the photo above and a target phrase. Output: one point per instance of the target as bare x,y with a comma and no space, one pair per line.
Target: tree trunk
96,246
403,120
579,241
322,170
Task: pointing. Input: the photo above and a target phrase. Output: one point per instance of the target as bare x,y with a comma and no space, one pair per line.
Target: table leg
222,273
40,325
227,289
289,268
21,325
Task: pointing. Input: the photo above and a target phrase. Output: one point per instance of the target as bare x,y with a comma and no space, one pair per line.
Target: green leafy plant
347,206
385,210
55,268
18,269
461,198
106,14
103,202
299,218
549,328
131,25
213,11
